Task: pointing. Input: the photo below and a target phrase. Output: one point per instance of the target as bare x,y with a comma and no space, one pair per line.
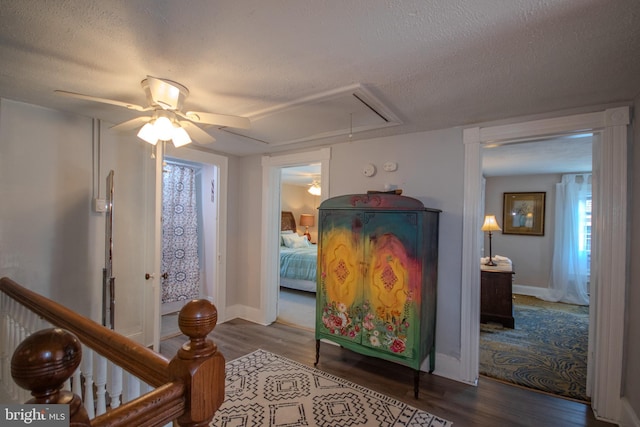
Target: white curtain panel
569,279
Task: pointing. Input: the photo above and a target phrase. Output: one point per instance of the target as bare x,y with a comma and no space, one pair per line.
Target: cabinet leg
416,383
317,352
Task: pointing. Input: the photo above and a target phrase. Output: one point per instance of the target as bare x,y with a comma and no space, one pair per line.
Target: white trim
532,291
610,248
271,166
241,311
610,244
446,366
471,243
628,417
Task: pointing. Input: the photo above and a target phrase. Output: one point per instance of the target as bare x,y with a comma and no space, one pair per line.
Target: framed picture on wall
523,213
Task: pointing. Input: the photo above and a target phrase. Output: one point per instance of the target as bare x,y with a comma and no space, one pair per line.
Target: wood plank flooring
491,403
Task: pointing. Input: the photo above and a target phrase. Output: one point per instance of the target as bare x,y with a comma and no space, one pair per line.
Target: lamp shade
307,220
490,224
180,136
148,133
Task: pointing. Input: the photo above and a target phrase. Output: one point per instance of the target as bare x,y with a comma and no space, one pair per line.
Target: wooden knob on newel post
43,362
199,364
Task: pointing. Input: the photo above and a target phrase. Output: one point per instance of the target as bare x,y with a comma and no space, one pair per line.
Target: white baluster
76,383
13,388
101,382
133,388
115,385
4,342
87,371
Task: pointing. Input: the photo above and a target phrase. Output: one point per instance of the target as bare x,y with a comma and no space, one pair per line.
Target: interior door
135,238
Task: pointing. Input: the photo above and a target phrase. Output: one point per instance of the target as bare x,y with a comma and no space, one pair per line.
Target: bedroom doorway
521,354
272,167
300,193
610,166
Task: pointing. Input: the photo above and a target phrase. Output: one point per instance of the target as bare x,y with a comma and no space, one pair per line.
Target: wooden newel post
199,364
42,363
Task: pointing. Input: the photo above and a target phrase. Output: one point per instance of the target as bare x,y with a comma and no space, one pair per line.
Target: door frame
220,277
270,259
610,198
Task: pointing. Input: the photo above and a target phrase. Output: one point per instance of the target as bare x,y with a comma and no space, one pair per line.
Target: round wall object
369,170
390,166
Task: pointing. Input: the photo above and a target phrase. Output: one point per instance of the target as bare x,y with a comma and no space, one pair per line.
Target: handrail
189,388
164,403
144,363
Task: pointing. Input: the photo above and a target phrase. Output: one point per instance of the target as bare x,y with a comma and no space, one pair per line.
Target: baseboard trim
244,312
533,291
449,367
628,416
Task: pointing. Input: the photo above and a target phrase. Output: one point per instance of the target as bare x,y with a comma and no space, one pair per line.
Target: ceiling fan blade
102,100
196,133
218,119
167,94
131,124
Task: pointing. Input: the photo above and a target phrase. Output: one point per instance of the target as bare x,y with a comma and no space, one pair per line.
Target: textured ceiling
434,63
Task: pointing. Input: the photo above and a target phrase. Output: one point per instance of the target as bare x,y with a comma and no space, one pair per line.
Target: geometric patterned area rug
546,351
264,389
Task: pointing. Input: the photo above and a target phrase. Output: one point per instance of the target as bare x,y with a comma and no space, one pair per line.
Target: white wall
430,168
245,290
531,255
51,240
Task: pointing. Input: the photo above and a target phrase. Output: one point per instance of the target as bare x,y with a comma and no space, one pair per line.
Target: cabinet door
340,265
392,283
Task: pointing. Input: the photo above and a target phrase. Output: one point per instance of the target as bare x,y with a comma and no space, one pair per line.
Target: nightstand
496,298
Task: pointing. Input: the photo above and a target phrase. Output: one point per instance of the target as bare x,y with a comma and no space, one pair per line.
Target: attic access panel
352,109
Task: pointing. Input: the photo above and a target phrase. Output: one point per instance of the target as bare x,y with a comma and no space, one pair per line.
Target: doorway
210,185
297,285
526,353
271,208
610,255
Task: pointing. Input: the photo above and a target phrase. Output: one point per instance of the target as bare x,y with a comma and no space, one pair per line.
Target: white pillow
284,232
294,241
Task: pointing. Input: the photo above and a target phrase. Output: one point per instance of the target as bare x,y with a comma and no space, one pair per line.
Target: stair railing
111,380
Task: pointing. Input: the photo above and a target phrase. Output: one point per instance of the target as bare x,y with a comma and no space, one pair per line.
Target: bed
298,257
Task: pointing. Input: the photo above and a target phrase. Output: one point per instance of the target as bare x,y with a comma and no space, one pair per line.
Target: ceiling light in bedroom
315,188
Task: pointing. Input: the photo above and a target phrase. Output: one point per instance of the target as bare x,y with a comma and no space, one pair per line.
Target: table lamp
490,224
307,220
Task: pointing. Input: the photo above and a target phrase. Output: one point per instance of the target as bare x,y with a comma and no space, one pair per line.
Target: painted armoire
377,277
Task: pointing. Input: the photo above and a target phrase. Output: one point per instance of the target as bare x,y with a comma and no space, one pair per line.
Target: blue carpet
546,351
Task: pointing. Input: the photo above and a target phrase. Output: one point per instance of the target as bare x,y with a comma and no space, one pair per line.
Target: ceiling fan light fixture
164,128
315,188
180,136
148,133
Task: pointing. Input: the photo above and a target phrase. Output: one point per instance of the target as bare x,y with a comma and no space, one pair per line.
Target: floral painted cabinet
377,277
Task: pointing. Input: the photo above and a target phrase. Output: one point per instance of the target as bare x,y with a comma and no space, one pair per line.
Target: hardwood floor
491,403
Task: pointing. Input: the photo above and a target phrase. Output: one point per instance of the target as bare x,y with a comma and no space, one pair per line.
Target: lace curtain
569,279
179,234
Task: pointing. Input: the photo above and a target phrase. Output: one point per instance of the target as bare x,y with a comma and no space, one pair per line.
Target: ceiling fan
167,121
